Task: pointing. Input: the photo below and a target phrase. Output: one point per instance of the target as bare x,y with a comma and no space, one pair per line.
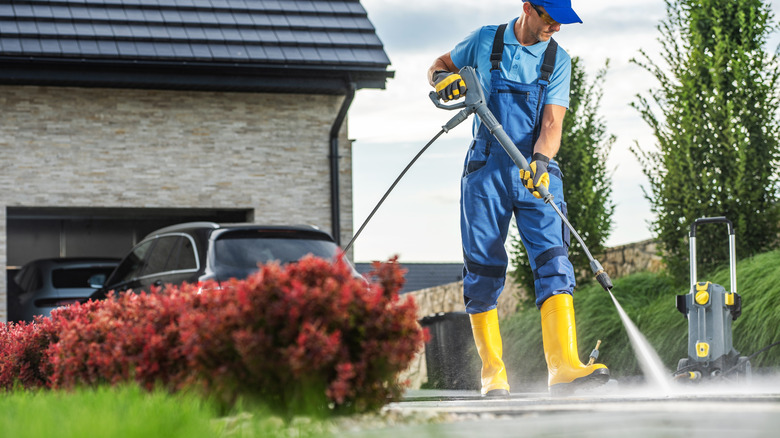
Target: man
526,76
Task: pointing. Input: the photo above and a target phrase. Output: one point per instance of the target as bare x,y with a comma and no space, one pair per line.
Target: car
200,251
45,284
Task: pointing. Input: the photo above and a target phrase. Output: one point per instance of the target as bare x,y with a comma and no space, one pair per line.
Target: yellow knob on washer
702,296
702,349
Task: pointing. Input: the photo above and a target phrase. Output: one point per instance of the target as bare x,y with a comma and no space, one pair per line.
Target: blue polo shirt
519,63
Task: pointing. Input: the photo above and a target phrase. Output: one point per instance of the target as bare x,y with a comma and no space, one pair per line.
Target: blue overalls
491,191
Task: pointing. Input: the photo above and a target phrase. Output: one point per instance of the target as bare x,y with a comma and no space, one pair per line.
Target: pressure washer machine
710,310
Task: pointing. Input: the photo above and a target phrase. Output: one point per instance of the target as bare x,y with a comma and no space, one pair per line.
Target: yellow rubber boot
559,334
484,326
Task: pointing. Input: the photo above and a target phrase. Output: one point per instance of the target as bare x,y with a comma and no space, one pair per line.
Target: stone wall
623,260
617,262
123,148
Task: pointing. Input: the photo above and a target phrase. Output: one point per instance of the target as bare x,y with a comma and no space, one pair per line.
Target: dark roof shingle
255,34
341,25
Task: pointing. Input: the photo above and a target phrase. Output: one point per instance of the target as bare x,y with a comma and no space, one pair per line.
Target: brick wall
82,147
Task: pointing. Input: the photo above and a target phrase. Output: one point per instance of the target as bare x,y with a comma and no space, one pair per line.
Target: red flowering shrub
306,334
22,353
123,338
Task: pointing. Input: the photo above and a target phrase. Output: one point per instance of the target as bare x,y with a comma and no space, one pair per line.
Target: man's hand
449,86
537,176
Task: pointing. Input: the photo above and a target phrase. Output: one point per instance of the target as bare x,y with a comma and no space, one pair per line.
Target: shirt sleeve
466,52
560,81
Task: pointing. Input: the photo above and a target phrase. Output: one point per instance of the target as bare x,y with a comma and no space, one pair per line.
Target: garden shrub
306,336
123,338
23,358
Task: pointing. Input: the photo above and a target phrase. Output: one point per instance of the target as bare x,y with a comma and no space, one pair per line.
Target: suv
45,284
200,251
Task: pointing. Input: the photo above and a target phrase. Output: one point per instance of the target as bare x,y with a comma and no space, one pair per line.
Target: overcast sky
420,220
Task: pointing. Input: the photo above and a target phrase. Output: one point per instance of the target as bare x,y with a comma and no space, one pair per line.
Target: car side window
132,264
160,255
185,257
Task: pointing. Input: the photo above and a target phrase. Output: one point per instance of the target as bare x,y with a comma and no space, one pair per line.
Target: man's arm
552,126
443,62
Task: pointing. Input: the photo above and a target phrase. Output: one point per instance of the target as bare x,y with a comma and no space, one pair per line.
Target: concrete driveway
704,410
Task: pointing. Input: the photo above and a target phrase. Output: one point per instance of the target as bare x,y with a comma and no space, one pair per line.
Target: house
118,117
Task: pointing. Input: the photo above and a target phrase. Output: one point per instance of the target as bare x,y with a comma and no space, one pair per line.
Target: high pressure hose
360,230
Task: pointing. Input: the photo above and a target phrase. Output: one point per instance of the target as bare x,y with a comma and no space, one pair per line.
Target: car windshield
237,254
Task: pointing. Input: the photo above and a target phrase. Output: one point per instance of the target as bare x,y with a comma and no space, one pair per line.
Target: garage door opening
38,232
35,233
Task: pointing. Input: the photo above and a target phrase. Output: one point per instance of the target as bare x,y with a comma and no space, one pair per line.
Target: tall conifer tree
716,120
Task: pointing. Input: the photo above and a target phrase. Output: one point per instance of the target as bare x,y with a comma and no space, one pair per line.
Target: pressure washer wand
475,103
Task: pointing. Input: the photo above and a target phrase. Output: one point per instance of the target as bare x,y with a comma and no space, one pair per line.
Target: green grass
649,300
129,412
104,412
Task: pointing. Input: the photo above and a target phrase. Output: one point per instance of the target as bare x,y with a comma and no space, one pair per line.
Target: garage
47,232
35,232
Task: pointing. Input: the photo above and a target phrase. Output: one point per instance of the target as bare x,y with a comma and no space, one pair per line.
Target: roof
423,275
244,45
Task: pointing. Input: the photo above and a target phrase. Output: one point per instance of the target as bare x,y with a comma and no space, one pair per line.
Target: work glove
538,175
449,86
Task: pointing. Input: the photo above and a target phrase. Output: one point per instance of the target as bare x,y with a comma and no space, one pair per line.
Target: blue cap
559,10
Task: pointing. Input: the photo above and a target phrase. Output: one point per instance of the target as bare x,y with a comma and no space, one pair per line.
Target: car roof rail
183,226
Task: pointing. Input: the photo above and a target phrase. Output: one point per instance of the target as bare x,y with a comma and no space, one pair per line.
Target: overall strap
548,63
498,48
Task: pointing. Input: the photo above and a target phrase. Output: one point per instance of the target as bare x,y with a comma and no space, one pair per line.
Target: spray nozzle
604,280
601,275
594,354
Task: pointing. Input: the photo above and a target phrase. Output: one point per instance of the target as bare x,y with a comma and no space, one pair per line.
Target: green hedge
649,300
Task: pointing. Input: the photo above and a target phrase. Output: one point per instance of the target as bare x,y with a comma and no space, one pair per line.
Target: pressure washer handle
435,99
476,98
732,248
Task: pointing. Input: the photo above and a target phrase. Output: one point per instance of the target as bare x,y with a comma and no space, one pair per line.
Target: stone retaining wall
628,259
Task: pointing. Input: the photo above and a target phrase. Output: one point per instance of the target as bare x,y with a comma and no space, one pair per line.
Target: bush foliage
284,332
306,336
